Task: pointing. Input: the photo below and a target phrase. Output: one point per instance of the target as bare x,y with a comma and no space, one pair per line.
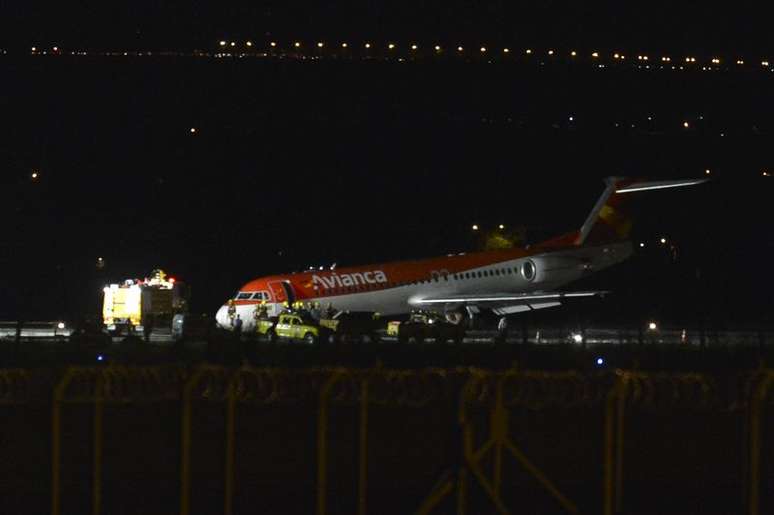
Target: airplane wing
506,303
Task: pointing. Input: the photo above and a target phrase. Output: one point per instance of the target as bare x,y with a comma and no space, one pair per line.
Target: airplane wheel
310,339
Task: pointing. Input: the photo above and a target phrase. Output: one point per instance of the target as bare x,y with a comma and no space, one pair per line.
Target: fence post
97,466
758,400
56,440
363,464
322,442
610,405
228,502
619,442
185,454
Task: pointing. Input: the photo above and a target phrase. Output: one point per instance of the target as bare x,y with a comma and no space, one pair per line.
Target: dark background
297,162
660,25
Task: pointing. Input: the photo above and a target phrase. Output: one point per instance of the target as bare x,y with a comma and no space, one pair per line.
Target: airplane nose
221,318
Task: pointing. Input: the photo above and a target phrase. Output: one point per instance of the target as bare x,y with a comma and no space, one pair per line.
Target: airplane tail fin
608,221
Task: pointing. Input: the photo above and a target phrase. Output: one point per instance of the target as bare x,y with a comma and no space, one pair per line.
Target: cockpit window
243,295
261,295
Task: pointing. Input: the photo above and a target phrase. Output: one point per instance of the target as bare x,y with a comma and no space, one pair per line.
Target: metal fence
483,401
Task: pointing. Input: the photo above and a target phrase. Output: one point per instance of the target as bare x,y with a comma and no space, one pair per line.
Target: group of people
312,310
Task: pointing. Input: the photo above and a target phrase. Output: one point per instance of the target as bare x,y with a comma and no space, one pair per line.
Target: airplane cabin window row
264,295
484,273
457,277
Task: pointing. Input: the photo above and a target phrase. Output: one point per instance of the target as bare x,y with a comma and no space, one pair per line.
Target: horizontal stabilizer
657,185
609,221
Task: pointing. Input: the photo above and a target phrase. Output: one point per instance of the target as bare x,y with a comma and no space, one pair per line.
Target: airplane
504,281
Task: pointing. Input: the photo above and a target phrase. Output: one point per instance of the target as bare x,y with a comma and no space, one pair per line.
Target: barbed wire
120,384
477,388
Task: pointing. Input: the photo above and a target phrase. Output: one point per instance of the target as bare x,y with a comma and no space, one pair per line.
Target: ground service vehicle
294,326
137,306
354,325
264,326
423,325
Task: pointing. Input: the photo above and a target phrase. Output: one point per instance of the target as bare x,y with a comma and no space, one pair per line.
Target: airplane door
277,291
289,293
282,291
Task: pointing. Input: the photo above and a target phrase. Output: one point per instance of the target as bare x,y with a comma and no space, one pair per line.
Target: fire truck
143,305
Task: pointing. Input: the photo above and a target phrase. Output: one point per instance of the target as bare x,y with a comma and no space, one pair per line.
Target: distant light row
483,49
55,50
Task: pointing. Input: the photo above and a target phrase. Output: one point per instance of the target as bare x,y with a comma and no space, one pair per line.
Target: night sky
690,26
298,162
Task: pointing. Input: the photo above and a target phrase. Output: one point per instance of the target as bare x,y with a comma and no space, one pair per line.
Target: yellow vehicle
264,326
133,305
293,326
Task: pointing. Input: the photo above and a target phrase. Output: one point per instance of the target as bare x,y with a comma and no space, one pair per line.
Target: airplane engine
552,269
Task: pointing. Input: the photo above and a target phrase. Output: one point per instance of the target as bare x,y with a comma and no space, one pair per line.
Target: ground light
577,337
100,357
600,361
652,326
